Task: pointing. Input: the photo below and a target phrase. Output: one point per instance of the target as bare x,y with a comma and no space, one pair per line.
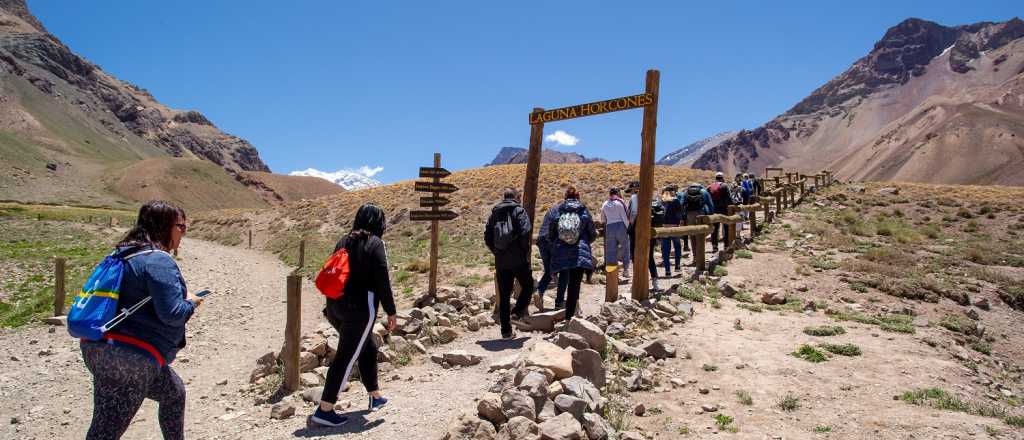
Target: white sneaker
654,282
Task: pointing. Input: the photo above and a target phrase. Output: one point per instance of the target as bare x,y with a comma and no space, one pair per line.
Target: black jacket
368,265
517,254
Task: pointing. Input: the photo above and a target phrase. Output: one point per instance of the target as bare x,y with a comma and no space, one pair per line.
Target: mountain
515,155
685,156
347,179
69,133
929,103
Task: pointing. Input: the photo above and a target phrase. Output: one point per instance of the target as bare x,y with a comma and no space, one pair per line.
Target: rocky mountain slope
929,103
516,155
685,156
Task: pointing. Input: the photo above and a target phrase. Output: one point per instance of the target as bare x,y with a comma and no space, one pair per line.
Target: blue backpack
95,308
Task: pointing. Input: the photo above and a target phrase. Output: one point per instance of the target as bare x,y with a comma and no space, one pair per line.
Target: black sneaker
328,418
377,402
559,305
510,335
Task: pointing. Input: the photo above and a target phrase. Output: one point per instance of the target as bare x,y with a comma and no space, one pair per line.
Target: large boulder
659,349
596,427
589,331
467,427
589,365
489,408
566,340
515,403
582,388
552,357
562,427
565,403
519,428
462,358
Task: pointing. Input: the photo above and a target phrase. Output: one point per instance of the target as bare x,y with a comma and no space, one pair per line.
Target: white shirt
613,211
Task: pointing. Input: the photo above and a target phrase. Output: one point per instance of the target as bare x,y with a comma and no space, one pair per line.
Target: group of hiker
129,355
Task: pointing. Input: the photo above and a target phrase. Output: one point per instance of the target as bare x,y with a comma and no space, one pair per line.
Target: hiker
544,248
507,235
748,189
632,206
758,185
571,235
616,237
353,314
673,217
132,362
657,221
721,198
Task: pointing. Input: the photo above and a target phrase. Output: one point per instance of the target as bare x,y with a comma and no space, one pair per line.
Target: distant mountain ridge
929,103
685,156
516,155
347,179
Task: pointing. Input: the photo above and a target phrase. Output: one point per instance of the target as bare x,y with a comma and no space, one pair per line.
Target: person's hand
195,299
392,322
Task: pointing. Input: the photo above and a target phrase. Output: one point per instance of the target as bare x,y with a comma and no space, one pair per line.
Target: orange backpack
333,276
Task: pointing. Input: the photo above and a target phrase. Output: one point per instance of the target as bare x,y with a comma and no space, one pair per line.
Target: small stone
707,407
282,410
639,410
704,390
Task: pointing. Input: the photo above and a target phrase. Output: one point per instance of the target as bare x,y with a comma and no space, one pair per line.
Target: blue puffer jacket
566,256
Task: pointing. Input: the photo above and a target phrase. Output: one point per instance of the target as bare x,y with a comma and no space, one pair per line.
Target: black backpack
505,232
693,200
657,214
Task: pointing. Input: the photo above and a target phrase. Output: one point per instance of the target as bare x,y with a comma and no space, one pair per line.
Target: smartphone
203,293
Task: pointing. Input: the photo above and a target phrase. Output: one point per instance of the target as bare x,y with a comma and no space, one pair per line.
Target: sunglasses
181,227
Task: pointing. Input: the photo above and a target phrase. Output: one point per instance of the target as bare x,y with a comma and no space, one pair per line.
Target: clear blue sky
342,84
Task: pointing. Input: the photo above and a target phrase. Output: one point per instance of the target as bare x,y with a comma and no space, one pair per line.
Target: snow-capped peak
351,180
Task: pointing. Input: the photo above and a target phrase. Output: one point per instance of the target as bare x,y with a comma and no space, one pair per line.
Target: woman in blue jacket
570,236
132,361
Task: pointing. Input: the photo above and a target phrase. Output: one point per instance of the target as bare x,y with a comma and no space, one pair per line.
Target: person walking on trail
657,221
633,207
721,199
616,235
748,189
544,248
507,235
132,361
673,217
354,313
571,255
757,185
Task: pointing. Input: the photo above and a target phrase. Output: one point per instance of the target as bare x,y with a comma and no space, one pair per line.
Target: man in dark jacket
508,235
721,198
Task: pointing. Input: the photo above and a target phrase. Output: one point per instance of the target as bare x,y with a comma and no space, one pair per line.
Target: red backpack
333,276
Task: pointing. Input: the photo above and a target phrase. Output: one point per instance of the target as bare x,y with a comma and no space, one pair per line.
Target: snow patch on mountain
350,179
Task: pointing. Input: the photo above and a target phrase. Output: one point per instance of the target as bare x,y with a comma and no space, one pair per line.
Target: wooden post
611,286
435,236
292,333
302,254
647,151
90,219
753,223
731,236
533,172
697,243
817,186
250,238
59,290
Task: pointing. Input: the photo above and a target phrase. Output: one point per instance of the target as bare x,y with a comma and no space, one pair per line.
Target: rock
685,309
659,349
562,427
57,321
519,428
773,298
972,313
316,344
631,435
522,372
591,332
596,427
308,361
446,334
582,388
489,408
707,407
552,357
890,190
504,363
468,427
269,358
517,403
615,330
639,380
983,304
418,346
565,403
555,389
666,307
565,340
313,394
617,311
589,365
462,358
282,410
726,289
310,379
543,321
547,412
411,327
535,385
260,372
627,352
639,410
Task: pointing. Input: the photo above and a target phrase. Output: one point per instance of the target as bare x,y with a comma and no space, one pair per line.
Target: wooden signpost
435,214
649,102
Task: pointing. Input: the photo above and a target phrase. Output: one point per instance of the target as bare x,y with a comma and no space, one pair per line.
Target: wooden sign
590,109
422,216
433,201
426,172
435,187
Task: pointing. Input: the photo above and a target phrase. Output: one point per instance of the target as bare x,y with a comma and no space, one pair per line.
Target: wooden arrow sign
433,202
435,187
419,216
434,172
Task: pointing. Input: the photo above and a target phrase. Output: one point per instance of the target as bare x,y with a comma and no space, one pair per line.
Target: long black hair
153,227
369,221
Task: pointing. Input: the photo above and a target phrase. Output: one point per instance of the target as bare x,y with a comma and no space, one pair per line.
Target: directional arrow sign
435,187
431,202
418,216
434,172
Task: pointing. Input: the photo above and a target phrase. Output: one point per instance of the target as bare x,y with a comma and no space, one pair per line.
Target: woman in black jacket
353,315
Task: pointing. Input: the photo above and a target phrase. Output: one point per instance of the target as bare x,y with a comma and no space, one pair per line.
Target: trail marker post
250,239
59,286
292,332
649,102
302,254
435,215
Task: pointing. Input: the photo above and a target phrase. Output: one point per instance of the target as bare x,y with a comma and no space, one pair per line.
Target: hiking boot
509,335
668,273
559,305
328,418
377,402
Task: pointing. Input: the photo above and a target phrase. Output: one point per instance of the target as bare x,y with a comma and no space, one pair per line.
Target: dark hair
153,227
369,221
510,193
571,193
613,192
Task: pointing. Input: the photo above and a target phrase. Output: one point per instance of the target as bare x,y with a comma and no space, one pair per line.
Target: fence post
753,223
611,286
59,291
292,333
250,239
302,254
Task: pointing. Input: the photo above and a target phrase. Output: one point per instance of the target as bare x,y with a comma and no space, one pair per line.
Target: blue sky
332,85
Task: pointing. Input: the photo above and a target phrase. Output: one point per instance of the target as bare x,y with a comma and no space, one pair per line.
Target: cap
719,174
